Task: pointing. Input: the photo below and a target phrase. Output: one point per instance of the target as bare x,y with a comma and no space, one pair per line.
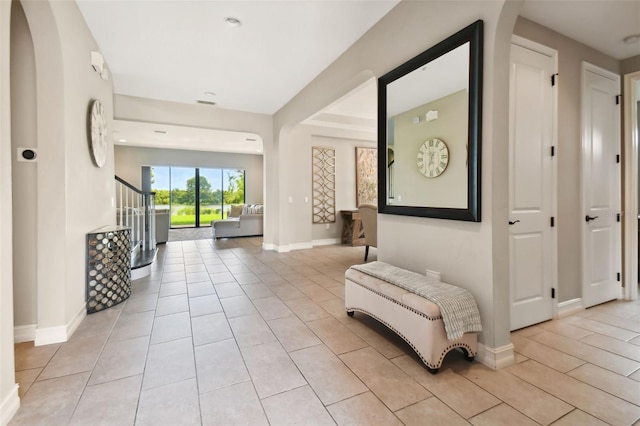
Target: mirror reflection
429,131
431,120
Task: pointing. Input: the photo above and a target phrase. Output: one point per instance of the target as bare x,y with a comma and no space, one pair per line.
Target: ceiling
180,50
184,51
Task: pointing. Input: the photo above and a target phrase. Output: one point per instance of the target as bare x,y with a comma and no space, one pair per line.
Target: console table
108,267
352,229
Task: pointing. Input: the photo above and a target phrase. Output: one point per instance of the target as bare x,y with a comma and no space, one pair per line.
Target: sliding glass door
233,184
210,196
183,197
196,196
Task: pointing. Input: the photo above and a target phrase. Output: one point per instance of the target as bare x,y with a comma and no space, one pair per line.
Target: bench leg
432,370
350,313
467,355
366,253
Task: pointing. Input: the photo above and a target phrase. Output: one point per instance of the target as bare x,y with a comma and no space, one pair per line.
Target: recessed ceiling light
632,39
232,22
209,94
205,102
122,140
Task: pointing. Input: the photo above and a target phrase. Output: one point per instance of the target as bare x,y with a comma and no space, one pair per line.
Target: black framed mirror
429,131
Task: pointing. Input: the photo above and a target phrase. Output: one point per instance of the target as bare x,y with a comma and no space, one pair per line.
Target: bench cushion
457,306
394,292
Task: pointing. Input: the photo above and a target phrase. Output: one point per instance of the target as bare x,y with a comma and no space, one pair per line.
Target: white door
600,186
532,253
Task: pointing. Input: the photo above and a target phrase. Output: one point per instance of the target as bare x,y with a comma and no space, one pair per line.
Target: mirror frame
473,34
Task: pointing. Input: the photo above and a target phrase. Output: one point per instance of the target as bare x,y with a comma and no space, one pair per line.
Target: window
196,196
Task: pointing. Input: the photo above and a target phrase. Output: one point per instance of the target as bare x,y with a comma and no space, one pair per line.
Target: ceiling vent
205,102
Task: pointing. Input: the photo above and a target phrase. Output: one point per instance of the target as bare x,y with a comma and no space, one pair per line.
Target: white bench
414,318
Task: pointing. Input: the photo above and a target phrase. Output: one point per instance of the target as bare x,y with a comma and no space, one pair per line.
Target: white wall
9,401
73,196
130,159
570,211
468,254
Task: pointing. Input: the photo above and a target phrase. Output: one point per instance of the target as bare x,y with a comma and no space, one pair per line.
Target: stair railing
136,210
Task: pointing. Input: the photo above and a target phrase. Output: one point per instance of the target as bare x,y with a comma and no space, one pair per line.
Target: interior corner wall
74,196
463,252
629,65
130,159
297,181
24,174
9,400
570,56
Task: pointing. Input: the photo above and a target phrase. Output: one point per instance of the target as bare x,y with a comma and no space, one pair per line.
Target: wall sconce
431,115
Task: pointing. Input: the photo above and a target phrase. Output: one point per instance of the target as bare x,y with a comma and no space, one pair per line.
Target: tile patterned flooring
225,333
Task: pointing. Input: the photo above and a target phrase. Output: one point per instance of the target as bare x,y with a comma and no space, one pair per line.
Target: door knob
513,222
588,218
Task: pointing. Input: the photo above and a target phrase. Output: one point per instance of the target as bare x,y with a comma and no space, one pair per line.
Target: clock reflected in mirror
433,157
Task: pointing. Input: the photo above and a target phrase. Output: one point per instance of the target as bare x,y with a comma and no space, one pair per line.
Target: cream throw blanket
458,307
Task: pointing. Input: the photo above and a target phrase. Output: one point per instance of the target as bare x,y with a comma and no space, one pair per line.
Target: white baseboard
24,333
268,246
274,247
286,248
142,272
9,406
60,334
326,242
496,358
569,307
73,325
301,246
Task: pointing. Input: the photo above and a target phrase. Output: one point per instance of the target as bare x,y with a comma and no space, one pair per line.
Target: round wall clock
433,157
98,131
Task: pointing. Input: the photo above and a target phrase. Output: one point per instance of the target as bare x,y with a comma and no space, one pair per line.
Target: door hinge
618,217
553,221
553,293
618,276
553,79
617,158
618,97
553,151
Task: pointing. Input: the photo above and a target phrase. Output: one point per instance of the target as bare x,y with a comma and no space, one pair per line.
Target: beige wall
130,159
570,211
9,401
298,159
73,196
412,188
630,65
24,175
419,243
196,115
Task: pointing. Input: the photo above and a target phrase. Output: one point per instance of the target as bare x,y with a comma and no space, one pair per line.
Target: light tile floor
225,333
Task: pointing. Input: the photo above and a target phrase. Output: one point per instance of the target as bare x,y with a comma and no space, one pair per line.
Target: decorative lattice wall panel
108,267
324,185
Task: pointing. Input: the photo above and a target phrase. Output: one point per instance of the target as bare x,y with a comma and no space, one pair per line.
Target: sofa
244,220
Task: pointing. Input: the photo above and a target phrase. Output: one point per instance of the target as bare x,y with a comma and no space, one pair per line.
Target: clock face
98,124
433,158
